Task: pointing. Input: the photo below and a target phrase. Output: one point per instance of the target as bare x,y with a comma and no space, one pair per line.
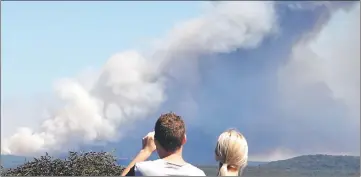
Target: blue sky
44,41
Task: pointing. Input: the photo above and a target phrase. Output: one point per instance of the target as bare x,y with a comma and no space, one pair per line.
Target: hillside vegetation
105,164
76,164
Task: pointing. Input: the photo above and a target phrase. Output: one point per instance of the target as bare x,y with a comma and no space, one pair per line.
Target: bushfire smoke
248,65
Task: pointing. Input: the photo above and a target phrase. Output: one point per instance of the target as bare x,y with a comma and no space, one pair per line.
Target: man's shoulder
158,166
150,168
148,165
149,162
195,170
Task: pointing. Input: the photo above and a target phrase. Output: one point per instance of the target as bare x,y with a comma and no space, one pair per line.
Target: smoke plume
132,86
285,74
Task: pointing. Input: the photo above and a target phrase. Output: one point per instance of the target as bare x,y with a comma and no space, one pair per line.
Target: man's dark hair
169,131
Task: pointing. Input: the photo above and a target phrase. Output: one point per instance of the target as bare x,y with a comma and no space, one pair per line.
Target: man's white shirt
162,168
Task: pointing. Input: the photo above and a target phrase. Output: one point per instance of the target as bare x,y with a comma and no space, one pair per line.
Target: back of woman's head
231,152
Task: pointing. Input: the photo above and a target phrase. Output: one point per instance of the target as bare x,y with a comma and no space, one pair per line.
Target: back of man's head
170,132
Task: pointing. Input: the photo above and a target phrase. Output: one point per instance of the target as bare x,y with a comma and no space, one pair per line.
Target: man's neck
175,158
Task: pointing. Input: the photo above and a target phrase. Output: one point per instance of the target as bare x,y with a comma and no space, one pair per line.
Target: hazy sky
44,41
285,74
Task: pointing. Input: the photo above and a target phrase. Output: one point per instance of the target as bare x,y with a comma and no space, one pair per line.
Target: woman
231,153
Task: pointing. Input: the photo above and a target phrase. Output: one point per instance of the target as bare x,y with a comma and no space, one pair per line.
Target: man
168,139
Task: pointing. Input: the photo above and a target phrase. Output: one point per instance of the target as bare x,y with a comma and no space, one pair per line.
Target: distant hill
315,162
303,166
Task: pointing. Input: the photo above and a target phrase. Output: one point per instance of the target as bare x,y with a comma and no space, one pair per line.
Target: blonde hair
231,151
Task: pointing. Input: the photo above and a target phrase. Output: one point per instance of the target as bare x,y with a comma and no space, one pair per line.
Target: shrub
76,164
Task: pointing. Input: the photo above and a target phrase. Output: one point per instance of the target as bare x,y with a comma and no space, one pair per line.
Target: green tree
76,164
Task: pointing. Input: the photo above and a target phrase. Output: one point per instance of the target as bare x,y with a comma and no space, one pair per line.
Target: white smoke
330,57
131,86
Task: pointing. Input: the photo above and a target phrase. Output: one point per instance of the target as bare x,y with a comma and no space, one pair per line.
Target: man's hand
147,150
148,142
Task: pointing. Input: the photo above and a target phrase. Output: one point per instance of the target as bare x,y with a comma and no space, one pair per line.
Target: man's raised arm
143,155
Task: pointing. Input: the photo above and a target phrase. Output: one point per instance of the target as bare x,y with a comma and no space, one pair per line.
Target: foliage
76,164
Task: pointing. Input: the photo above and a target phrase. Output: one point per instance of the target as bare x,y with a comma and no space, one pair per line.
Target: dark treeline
76,164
